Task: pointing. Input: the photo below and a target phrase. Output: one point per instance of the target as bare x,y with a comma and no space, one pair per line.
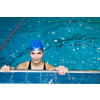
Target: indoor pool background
73,42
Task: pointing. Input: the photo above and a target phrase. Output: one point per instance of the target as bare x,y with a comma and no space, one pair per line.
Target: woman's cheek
32,56
40,56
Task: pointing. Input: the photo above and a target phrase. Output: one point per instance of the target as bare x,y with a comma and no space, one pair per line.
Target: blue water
72,42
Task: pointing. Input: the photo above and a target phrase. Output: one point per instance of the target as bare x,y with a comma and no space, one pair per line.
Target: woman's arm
50,67
7,68
23,65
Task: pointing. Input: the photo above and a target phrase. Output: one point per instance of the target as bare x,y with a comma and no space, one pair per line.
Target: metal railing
54,71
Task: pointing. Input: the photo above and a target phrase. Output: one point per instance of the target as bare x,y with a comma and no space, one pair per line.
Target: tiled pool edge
55,76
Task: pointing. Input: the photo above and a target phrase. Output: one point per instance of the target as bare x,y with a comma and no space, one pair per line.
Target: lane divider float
12,34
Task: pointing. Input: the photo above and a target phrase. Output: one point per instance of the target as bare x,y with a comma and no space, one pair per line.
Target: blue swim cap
36,44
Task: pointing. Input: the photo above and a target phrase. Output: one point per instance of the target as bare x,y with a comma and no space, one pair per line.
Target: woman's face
36,55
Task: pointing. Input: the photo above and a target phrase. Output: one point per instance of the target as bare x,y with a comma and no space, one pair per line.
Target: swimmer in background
36,53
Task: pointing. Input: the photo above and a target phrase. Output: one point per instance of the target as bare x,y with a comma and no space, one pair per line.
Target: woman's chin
36,61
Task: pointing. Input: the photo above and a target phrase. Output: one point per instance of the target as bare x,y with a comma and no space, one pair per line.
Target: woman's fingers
12,68
5,68
62,70
8,69
2,69
66,69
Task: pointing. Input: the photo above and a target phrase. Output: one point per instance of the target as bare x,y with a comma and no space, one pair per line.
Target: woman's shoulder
49,67
23,65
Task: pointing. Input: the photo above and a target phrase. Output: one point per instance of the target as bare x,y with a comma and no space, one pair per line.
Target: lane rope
12,33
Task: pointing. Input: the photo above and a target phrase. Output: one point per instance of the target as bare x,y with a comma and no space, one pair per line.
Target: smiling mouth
36,59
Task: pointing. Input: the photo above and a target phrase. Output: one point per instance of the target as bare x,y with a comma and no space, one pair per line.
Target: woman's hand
62,70
6,68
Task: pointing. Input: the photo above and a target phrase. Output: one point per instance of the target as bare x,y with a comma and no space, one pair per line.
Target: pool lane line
12,33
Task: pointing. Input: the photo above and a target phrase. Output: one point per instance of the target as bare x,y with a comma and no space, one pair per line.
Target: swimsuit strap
29,67
44,66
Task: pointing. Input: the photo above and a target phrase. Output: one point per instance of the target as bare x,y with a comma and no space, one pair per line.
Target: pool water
70,41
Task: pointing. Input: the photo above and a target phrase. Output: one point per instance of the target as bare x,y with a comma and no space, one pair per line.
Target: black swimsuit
29,67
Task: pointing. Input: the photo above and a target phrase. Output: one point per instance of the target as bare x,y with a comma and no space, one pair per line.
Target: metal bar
97,77
11,77
69,78
55,77
40,77
83,78
26,77
47,71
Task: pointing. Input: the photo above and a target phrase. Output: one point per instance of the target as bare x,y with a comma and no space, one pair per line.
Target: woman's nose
36,55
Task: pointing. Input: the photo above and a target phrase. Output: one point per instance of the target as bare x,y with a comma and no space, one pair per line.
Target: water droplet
38,35
69,30
55,64
98,58
77,48
53,33
13,54
90,52
52,56
16,50
38,21
82,61
23,45
73,49
83,47
62,38
80,24
30,34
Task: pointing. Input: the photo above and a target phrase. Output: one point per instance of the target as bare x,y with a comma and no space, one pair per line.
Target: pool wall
49,77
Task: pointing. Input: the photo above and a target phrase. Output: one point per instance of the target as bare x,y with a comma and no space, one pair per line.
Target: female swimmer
36,53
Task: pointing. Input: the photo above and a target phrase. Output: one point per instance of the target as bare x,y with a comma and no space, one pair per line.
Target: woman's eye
39,53
32,53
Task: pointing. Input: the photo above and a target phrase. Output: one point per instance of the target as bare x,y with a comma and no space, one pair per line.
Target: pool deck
49,77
